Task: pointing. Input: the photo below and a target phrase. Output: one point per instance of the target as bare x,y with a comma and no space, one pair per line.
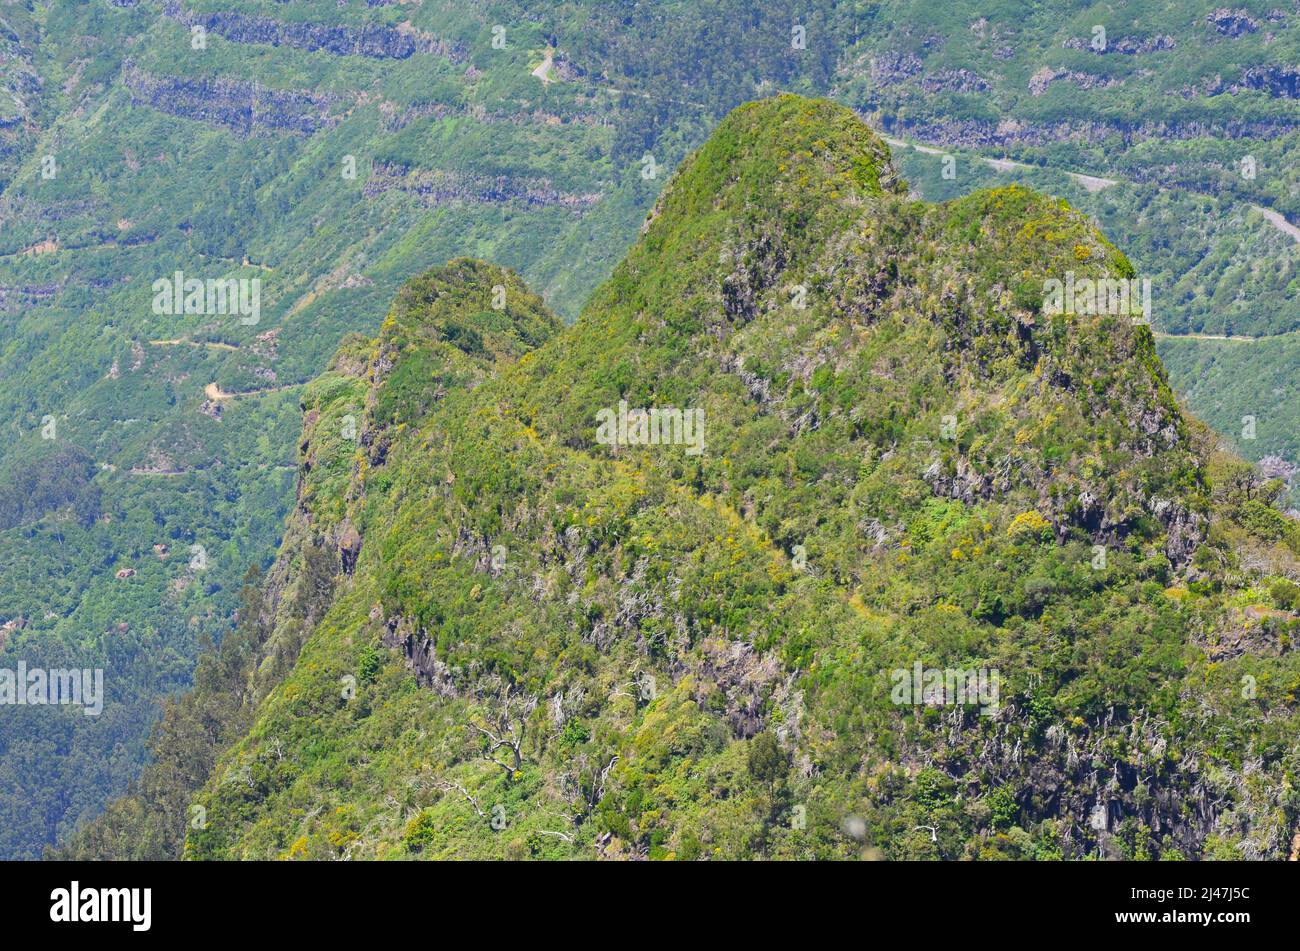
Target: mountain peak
793,146
482,309
803,161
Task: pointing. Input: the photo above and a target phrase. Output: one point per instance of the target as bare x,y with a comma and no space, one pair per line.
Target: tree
767,761
506,730
768,765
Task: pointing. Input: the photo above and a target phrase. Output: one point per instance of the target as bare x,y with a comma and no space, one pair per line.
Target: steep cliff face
442,335
243,107
376,42
22,90
434,187
879,467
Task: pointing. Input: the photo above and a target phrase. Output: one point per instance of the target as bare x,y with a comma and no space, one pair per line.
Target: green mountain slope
535,643
220,138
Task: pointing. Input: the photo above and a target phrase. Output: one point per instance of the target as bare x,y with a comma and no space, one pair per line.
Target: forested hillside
494,632
332,151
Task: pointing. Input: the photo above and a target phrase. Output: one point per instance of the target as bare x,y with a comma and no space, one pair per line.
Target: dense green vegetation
127,154
1232,381
527,643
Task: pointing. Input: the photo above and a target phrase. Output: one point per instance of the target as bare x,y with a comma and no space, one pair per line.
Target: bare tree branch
451,786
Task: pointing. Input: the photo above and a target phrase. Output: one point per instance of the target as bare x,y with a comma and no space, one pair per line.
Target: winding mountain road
1095,183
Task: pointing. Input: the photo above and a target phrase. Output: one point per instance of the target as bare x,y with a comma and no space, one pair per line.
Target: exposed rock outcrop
29,295
433,187
955,80
1280,82
246,108
1126,45
1039,82
374,41
1232,23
